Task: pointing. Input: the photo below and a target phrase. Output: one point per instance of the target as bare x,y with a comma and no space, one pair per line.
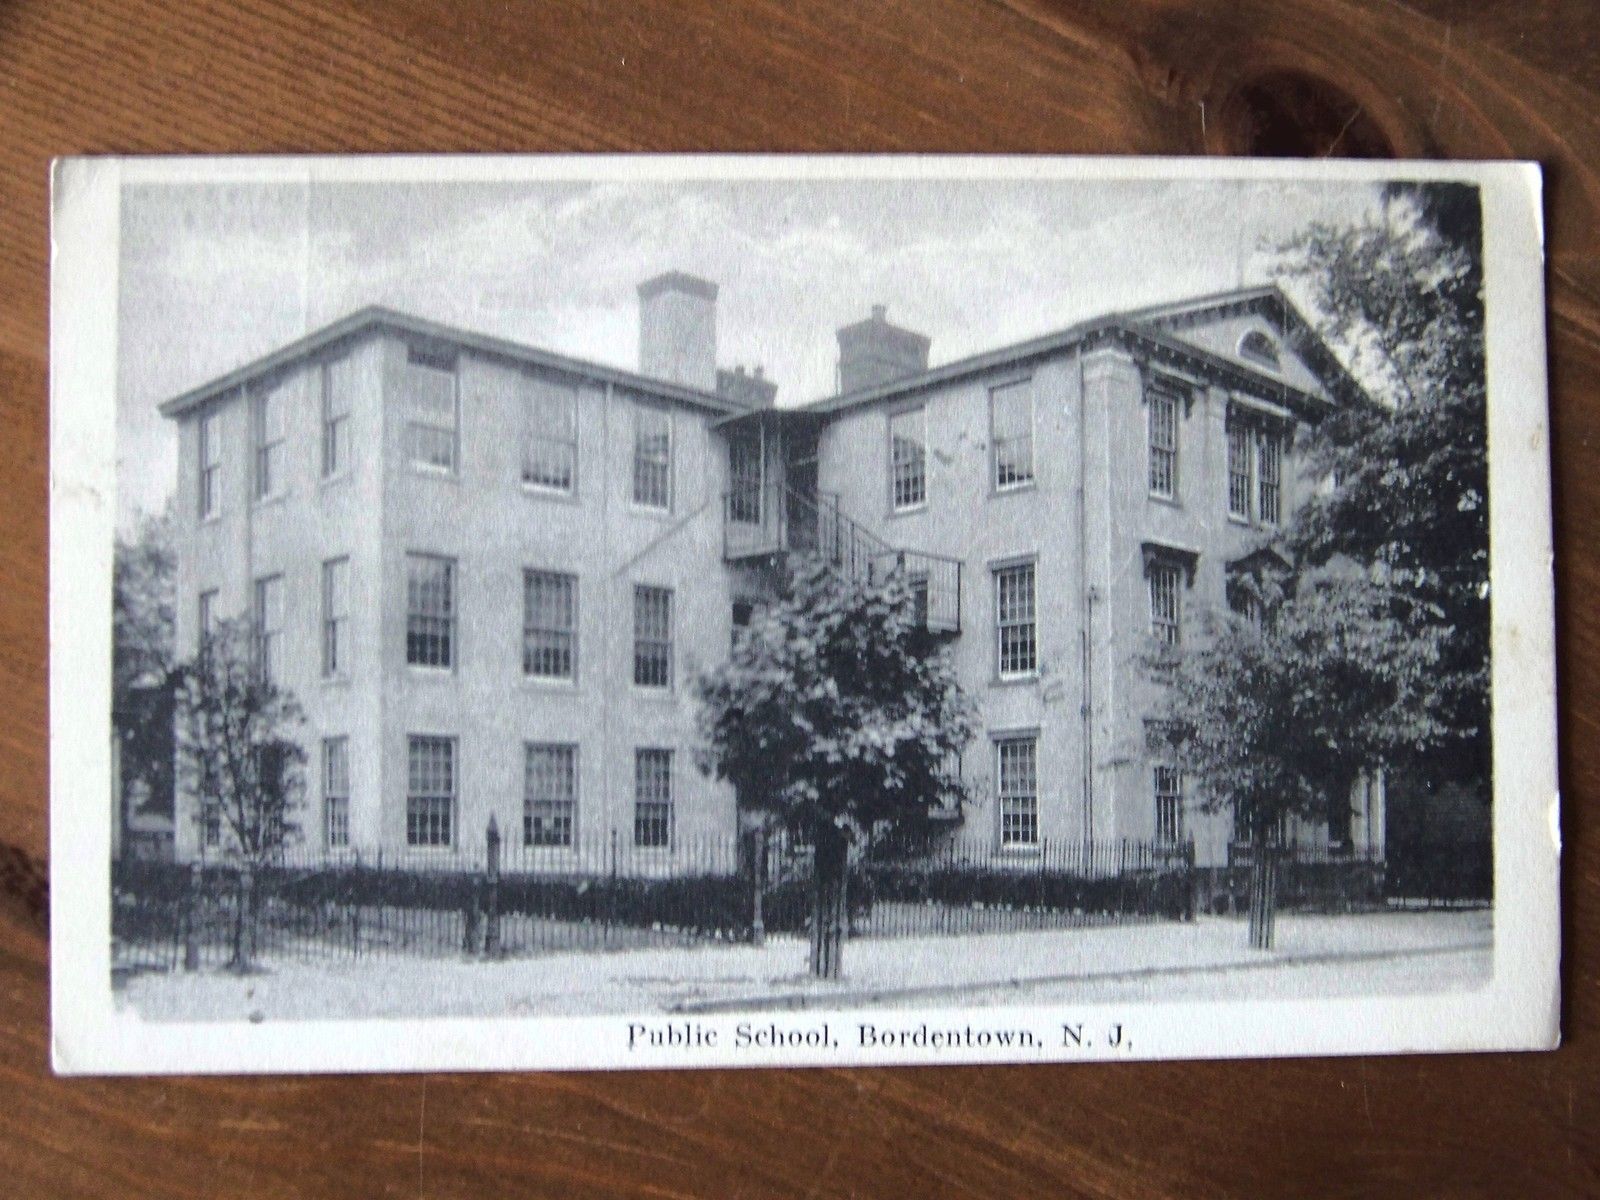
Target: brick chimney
678,330
753,390
873,352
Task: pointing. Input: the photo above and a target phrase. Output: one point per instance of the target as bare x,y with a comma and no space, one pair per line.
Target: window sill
643,692
1242,522
261,502
1165,501
337,479
419,671
647,510
212,518
540,683
1014,680
444,474
536,491
909,511
1011,489
1020,850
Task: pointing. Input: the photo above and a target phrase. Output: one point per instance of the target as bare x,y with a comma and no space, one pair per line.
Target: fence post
758,886
491,929
191,922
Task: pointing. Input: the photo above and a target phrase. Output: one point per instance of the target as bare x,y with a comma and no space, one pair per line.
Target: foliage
236,745
142,625
836,708
1401,295
1281,718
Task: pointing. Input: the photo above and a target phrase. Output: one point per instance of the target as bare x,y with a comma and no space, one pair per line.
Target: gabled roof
377,317
1152,327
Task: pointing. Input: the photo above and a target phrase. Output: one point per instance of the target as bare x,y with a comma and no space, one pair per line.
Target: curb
800,1000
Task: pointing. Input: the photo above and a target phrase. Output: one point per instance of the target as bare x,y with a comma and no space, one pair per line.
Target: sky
213,275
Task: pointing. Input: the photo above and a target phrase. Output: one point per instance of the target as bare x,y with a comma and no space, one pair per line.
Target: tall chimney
678,330
873,352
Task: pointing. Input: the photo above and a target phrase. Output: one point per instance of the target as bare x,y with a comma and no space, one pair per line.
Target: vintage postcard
731,611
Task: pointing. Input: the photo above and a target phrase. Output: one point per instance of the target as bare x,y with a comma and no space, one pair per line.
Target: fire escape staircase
763,521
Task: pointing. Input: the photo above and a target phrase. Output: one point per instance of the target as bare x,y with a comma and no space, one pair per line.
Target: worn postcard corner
602,612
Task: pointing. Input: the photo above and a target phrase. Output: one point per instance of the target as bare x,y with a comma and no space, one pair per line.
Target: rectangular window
744,612
652,798
745,453
652,636
337,387
430,611
549,625
266,620
1269,467
335,617
336,791
652,457
211,823
550,436
206,616
1239,472
433,424
549,794
1163,418
1169,805
268,417
1017,639
1017,776
210,433
1011,434
908,459
430,790
1166,582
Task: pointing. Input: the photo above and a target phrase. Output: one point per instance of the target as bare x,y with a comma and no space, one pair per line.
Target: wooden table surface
1422,77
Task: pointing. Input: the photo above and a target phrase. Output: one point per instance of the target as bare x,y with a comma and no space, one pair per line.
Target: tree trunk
830,862
244,922
1263,893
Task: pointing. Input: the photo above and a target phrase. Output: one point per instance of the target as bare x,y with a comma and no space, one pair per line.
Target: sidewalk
984,968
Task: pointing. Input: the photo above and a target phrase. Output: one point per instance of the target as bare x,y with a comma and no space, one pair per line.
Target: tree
1400,296
838,714
1278,717
142,656
240,759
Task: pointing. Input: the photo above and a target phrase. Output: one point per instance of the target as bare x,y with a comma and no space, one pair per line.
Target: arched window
1258,346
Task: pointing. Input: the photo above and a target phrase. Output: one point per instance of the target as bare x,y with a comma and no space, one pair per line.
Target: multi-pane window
1169,804
430,790
549,625
1017,639
268,417
430,611
1239,470
652,798
337,389
1163,419
1011,434
744,477
432,411
335,617
908,459
652,457
549,793
1166,583
550,436
1017,780
210,433
336,791
1255,471
210,822
652,636
1269,467
266,620
206,615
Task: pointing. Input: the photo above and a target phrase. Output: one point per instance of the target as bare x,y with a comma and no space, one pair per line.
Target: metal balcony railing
759,520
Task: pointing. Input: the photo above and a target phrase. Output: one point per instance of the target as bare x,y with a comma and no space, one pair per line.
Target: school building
489,573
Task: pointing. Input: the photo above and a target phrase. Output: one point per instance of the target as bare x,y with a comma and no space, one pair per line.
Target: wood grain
1431,77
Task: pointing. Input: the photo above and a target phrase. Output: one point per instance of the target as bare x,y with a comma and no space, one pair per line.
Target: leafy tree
239,757
142,625
839,715
1400,295
1278,717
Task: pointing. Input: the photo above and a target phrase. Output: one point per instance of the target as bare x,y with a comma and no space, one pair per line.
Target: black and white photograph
607,612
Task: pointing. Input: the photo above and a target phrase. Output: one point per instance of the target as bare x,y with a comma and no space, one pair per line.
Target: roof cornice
367,320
